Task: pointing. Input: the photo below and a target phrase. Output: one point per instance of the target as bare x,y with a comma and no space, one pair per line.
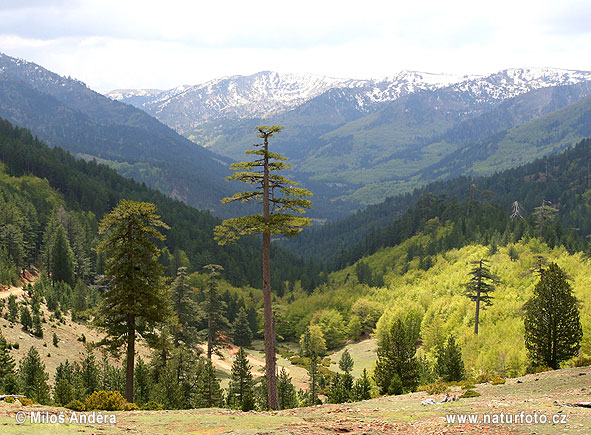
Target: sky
119,44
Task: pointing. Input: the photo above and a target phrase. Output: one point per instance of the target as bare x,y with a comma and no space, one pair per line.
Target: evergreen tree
26,319
513,254
89,372
240,392
213,307
287,393
279,196
346,362
68,385
362,387
186,309
48,240
397,368
33,377
55,340
208,392
260,394
241,332
553,329
80,297
252,321
544,216
142,382
450,366
12,309
168,391
37,328
313,380
136,300
7,365
62,258
341,388
480,285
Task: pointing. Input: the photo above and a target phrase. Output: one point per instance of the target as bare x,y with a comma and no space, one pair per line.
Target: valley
446,210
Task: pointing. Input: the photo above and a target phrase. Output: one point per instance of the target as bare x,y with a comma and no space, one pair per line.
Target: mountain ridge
269,93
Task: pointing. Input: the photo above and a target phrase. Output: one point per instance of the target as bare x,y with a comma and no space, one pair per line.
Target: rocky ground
547,393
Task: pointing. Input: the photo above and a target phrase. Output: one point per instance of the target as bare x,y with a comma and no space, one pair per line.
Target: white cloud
113,43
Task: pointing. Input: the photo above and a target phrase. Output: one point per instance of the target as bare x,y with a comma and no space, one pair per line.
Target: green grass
364,354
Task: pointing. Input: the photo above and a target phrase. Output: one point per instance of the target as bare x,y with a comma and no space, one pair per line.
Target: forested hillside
562,180
350,305
64,112
89,190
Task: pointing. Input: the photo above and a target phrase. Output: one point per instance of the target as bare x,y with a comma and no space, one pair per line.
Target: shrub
583,361
9,399
152,406
497,380
483,378
130,407
76,405
105,400
470,393
25,401
436,387
540,369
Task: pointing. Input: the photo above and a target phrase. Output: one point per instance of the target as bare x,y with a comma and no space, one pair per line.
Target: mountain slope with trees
92,190
563,179
64,112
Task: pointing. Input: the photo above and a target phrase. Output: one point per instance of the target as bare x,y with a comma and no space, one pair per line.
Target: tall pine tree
136,301
479,287
279,196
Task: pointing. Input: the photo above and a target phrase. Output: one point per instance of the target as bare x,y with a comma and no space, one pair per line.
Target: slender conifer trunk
478,300
130,358
269,330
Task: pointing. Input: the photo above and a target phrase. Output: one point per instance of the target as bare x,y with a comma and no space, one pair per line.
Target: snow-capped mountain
267,93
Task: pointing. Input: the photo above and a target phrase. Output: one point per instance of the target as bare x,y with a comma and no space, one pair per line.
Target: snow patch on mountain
268,93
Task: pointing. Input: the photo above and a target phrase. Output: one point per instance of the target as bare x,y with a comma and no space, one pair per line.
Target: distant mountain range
351,142
360,141
268,94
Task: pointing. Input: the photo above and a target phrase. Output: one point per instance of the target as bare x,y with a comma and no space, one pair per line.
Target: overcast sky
161,44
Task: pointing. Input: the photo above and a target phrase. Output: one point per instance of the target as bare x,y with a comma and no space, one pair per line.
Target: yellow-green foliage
76,405
436,387
470,393
436,295
25,401
105,400
499,348
130,407
497,380
152,406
